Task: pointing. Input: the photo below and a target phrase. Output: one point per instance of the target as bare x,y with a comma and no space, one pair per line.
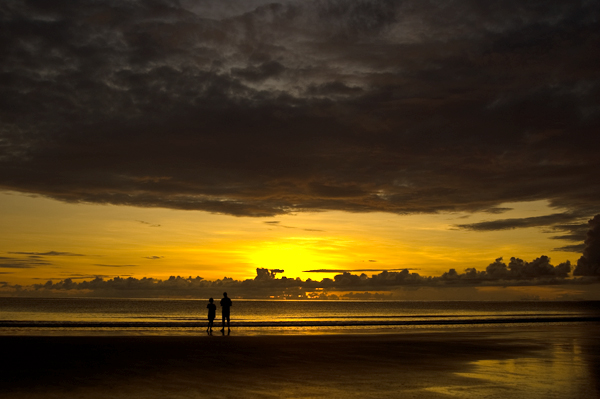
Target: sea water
185,316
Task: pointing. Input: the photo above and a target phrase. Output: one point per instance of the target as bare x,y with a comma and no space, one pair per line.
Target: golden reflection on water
562,369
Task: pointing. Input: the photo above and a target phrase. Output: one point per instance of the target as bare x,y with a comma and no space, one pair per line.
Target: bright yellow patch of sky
154,242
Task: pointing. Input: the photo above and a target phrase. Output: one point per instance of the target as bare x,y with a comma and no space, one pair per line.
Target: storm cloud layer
252,108
589,263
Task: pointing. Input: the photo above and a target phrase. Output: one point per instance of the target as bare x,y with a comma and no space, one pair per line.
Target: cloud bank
539,272
517,272
251,108
589,263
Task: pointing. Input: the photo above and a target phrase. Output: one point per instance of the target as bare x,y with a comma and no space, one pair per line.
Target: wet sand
542,362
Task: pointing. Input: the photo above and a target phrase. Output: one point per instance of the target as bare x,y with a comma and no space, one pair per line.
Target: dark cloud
49,253
589,263
351,270
517,269
497,210
149,224
255,109
153,257
278,224
578,248
553,223
16,265
333,88
572,232
517,273
266,70
29,262
78,276
509,224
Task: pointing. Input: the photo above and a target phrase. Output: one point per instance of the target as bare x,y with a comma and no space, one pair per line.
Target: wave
287,323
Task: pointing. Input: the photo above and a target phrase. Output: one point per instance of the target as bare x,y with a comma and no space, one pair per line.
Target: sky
149,139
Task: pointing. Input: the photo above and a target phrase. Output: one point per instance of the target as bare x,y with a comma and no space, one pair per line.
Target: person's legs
225,317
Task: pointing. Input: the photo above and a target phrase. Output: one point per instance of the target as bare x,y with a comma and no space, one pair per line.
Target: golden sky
214,138
153,242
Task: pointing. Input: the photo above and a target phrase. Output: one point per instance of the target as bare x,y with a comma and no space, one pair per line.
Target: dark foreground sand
542,362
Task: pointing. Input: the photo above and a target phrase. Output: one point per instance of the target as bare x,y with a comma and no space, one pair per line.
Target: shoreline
199,329
424,364
431,320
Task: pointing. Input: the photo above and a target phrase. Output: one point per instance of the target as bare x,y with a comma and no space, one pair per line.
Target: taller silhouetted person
225,305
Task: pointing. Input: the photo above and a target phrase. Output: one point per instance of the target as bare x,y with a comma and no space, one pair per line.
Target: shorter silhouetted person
212,313
225,305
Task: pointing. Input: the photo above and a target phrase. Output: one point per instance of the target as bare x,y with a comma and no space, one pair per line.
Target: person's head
210,300
225,295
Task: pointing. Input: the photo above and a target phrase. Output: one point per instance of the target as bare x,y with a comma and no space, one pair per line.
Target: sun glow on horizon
41,237
295,256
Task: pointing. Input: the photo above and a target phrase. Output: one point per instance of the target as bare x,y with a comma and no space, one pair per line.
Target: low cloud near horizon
251,108
515,273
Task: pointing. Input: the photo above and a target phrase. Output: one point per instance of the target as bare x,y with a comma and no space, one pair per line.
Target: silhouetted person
225,305
212,313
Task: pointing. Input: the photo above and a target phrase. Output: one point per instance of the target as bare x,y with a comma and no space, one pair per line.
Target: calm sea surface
173,316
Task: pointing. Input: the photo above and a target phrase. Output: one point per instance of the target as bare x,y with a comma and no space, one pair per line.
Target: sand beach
551,361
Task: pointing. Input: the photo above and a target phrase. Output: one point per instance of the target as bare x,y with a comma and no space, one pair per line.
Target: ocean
96,348
84,316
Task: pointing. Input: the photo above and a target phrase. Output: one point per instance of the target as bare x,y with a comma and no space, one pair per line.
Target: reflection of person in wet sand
212,312
225,305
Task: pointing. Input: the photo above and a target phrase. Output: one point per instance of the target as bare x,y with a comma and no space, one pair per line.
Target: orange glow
152,242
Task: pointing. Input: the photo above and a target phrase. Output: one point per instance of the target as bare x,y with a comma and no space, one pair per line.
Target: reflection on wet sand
522,362
566,367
